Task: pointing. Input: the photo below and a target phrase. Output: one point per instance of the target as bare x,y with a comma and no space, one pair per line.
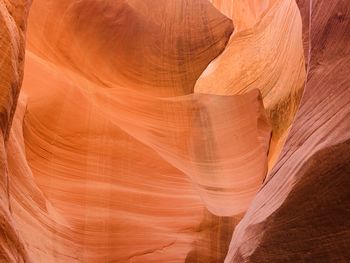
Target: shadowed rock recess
192,131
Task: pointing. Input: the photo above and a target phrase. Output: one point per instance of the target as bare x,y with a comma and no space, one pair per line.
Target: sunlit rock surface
265,52
301,214
146,131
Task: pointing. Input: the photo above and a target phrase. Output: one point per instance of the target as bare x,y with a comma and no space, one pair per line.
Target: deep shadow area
313,224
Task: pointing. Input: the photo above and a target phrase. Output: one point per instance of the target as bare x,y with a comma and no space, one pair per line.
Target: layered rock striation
13,18
301,212
174,131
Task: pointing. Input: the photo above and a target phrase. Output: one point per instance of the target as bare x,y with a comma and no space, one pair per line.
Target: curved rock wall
12,27
159,48
301,212
174,131
265,52
110,157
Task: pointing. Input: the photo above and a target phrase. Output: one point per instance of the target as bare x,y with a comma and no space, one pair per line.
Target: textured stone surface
302,211
174,131
12,28
114,170
265,52
159,48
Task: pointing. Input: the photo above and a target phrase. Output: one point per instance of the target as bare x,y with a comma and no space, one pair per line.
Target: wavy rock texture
117,168
158,49
265,52
302,212
12,27
145,130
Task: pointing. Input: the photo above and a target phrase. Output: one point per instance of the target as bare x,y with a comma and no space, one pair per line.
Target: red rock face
301,212
12,28
146,131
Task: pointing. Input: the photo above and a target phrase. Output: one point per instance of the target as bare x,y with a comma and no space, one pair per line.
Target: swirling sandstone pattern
104,154
265,52
12,27
301,214
144,130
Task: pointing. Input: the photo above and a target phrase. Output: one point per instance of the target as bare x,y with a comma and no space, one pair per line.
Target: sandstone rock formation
265,52
156,131
13,16
301,214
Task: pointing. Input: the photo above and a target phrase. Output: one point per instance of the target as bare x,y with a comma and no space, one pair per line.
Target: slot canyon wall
174,131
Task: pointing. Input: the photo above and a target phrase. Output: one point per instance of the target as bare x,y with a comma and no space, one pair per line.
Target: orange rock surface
265,52
301,214
146,131
12,27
